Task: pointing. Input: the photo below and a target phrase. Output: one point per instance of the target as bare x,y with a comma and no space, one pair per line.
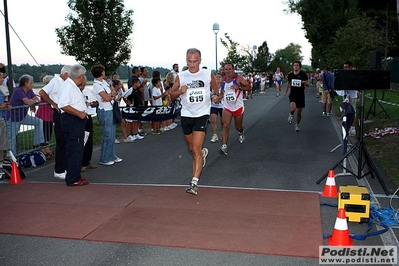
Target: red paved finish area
222,219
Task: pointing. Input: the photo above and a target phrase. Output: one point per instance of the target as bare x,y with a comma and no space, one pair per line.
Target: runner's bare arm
245,86
215,89
175,90
287,89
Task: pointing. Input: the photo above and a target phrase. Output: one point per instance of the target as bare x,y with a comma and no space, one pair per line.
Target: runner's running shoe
296,128
204,154
214,138
290,118
241,137
192,189
223,150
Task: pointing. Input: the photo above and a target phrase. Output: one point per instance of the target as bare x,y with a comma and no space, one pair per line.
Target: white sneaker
132,138
107,163
241,137
173,125
352,132
290,118
296,128
214,138
138,136
128,140
118,160
223,150
117,141
60,175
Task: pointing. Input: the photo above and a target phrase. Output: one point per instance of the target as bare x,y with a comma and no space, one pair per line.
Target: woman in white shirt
105,97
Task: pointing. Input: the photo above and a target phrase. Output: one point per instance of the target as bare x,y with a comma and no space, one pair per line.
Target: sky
162,32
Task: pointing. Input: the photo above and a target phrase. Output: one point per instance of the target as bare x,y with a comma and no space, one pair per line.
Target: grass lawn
385,150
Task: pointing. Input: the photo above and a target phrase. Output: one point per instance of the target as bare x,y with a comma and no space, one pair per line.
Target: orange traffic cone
330,189
340,235
15,176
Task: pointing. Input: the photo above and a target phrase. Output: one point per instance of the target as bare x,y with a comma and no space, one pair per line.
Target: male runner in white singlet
194,89
233,106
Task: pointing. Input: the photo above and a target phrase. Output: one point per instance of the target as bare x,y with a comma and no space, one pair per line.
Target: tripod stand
347,121
362,151
373,106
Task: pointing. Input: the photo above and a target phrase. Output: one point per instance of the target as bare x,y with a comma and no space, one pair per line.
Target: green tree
262,58
98,32
248,64
284,57
321,20
357,50
256,60
233,56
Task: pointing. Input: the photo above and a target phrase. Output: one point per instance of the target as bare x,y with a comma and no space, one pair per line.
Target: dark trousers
74,131
60,144
88,149
47,130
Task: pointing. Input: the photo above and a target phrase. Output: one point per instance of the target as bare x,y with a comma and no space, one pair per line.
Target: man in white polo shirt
50,93
73,120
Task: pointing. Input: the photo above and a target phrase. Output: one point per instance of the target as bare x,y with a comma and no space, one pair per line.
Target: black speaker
362,79
375,60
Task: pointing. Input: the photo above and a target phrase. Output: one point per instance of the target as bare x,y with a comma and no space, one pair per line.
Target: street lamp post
215,29
254,53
